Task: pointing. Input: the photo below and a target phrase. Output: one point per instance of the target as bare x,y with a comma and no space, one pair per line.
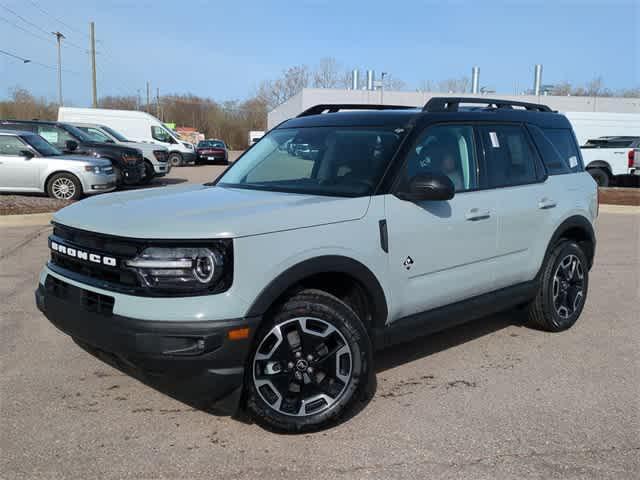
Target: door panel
441,251
452,256
523,202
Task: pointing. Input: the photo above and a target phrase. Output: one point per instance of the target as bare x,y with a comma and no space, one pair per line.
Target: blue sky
223,49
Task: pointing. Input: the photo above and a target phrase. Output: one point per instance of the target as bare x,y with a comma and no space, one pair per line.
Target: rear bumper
194,360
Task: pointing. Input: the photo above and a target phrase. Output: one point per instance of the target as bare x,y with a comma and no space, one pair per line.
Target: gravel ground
488,400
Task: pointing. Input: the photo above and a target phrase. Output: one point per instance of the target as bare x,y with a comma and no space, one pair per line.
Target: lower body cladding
200,362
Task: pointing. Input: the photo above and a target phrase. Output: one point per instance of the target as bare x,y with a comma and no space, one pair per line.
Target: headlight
129,158
98,169
189,269
188,145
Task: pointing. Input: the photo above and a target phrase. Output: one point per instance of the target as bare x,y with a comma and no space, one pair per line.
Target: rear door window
509,156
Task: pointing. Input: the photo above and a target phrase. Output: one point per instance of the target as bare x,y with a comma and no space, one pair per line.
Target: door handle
546,203
476,214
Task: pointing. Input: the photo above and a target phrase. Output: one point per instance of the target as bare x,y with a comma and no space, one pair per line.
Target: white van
589,125
135,125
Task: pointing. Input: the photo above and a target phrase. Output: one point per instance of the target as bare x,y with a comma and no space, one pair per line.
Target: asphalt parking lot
491,399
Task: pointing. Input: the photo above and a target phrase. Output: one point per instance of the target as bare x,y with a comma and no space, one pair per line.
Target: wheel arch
599,164
327,267
579,229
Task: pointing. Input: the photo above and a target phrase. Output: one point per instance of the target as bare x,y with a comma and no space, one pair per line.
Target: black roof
406,117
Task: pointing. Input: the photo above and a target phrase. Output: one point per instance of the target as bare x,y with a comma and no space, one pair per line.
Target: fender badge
408,262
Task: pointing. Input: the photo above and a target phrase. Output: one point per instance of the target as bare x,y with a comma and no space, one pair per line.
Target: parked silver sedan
28,163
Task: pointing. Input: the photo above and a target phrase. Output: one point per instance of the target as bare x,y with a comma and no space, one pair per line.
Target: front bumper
132,174
192,359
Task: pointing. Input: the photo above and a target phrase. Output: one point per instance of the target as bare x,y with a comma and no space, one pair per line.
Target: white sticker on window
573,162
51,137
494,139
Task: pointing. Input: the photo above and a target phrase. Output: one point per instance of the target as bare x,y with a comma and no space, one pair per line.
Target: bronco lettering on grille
83,255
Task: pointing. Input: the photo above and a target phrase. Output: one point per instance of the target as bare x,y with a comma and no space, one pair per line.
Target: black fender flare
599,164
574,222
324,264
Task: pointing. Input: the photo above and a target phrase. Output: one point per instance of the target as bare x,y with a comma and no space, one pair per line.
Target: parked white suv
28,163
156,157
271,287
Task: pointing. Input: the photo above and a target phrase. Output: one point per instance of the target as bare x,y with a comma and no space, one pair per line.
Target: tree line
230,120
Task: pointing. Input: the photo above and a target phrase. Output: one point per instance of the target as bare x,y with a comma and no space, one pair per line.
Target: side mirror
71,145
428,187
109,140
28,154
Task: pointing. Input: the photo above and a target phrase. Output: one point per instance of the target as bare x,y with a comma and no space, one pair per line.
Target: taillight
631,158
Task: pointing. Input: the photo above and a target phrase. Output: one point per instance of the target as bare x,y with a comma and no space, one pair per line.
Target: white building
309,97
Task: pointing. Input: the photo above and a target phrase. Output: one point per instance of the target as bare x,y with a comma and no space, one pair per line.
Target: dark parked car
127,162
212,151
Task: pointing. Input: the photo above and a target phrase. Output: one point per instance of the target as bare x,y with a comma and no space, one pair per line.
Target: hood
83,159
113,147
145,146
200,211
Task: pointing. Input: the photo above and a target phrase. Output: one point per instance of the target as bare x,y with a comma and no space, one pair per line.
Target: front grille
90,301
99,244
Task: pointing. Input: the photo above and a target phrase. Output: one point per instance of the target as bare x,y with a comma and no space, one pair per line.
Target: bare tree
594,87
454,85
274,92
327,73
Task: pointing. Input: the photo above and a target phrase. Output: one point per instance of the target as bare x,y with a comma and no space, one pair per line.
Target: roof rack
452,104
332,108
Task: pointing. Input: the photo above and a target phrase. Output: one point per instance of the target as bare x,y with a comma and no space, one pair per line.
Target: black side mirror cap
71,145
27,154
428,187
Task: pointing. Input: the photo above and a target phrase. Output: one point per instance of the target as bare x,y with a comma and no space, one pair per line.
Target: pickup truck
610,159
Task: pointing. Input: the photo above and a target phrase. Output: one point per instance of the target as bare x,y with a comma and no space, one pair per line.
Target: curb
30,220
626,209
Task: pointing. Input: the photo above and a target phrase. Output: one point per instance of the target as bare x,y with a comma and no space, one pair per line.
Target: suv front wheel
563,289
310,364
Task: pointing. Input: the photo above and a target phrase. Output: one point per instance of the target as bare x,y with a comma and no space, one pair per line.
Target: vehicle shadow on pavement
158,182
428,345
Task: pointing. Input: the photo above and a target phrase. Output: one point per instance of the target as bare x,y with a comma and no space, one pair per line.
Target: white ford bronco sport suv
272,287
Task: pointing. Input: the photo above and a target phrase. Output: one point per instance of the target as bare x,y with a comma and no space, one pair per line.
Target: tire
563,289
149,173
175,159
601,176
312,333
64,186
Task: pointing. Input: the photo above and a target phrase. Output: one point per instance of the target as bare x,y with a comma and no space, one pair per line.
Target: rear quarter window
558,149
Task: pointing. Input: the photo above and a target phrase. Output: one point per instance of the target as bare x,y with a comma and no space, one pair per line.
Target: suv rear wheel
563,289
309,364
601,176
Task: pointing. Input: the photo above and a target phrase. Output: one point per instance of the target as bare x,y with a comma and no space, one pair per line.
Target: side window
509,156
446,149
11,145
160,134
97,135
564,143
55,135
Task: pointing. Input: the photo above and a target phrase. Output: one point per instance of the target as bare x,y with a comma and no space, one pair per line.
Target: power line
24,60
46,13
48,40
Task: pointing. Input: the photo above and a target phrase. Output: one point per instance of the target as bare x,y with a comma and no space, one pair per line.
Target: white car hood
199,211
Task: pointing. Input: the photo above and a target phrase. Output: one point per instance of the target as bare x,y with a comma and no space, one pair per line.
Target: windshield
117,135
210,144
339,161
76,132
43,147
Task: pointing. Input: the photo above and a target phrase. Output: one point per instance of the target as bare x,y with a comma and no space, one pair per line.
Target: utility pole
148,97
59,37
94,90
382,75
158,103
